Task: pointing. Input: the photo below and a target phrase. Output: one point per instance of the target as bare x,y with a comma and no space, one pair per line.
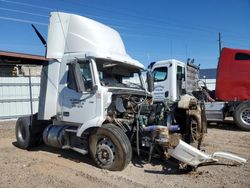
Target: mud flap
194,157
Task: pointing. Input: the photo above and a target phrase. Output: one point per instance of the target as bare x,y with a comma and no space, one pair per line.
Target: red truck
232,92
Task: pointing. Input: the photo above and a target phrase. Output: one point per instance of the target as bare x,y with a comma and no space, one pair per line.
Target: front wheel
242,116
196,135
110,148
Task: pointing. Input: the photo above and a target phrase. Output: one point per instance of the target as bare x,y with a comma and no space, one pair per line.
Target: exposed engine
149,124
125,110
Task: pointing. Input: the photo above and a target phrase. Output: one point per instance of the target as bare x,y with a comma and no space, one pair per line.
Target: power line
115,26
175,25
182,26
207,29
23,12
26,4
157,35
164,26
22,20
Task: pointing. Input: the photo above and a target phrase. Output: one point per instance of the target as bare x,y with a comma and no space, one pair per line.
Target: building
209,77
17,72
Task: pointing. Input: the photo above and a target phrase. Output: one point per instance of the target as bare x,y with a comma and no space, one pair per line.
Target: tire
24,136
242,116
196,135
110,148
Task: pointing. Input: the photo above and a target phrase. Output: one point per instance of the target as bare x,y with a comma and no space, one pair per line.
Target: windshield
117,74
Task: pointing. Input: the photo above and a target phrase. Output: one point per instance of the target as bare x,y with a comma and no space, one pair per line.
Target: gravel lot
49,167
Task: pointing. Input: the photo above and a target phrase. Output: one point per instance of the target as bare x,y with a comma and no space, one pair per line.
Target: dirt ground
49,167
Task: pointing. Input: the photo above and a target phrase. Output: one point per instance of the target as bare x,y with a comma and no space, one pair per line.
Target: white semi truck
88,103
173,78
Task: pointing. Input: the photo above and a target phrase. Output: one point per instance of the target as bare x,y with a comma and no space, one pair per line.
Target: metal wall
211,83
15,96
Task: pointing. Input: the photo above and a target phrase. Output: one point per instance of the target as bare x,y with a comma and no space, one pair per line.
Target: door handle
66,114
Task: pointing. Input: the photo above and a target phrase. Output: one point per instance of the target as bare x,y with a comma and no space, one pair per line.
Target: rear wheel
110,148
28,135
25,138
242,116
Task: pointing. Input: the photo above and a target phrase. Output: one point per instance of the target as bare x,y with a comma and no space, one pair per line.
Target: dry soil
49,167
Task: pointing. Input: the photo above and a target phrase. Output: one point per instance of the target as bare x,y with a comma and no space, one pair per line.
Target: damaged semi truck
231,98
91,102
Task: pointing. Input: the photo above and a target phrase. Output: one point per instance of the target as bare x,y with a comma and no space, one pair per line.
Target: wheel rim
196,136
21,133
105,152
194,130
245,116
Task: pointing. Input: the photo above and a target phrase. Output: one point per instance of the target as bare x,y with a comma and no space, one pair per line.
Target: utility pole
219,43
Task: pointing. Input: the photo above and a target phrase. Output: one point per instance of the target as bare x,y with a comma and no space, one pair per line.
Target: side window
242,56
85,71
180,73
79,76
160,74
86,75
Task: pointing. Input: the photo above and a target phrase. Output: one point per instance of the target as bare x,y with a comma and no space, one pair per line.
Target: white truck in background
88,104
173,78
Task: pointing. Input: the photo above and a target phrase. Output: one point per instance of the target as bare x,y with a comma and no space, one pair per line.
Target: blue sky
151,30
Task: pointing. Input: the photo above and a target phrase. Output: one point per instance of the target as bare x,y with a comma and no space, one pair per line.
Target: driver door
161,83
79,98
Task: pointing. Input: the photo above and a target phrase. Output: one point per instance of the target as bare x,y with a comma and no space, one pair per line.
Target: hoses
137,137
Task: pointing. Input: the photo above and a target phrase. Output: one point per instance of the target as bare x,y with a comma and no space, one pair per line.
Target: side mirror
94,88
150,81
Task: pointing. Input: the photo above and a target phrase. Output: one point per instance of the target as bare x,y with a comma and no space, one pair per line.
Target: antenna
41,38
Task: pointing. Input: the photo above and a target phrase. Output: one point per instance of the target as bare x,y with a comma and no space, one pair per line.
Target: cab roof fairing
70,33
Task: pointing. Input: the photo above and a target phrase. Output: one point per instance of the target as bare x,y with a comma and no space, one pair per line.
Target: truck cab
172,78
232,92
233,75
89,95
84,67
